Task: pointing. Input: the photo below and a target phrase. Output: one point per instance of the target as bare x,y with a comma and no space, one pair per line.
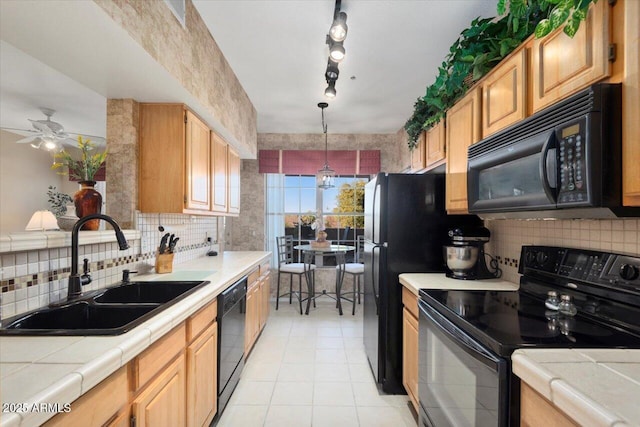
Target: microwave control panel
573,185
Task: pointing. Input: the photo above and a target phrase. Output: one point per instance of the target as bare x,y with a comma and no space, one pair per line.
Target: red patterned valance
307,162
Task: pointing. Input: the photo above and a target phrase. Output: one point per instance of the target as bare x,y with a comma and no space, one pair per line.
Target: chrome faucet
77,281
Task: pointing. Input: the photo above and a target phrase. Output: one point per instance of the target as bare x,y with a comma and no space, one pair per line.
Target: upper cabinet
463,129
418,154
631,106
504,93
435,146
562,65
184,167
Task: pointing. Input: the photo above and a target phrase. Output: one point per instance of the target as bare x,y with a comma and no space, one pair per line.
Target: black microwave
564,161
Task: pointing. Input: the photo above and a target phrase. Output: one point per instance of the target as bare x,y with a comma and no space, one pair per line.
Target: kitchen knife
163,243
172,244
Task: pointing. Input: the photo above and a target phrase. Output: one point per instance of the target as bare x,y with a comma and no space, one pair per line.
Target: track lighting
338,30
332,72
330,91
336,50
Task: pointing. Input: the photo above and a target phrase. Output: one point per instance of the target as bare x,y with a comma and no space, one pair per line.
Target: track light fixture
335,39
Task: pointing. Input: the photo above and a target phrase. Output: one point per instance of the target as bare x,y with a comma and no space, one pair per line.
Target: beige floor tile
330,331
299,355
334,416
332,372
333,394
296,372
356,355
288,416
361,372
243,415
329,342
352,332
302,342
331,355
260,371
383,417
252,393
293,393
366,394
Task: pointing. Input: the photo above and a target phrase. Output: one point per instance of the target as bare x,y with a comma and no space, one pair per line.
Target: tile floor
312,371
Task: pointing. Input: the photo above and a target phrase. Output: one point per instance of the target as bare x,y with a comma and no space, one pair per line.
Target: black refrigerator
406,227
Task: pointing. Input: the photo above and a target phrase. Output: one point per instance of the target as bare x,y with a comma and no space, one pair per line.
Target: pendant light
325,176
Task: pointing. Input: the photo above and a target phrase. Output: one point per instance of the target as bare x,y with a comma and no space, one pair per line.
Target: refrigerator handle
373,222
376,295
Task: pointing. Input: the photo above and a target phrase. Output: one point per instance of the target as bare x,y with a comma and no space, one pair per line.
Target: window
294,203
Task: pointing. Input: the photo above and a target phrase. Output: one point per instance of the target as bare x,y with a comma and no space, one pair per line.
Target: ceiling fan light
338,30
50,145
332,73
330,91
336,52
36,143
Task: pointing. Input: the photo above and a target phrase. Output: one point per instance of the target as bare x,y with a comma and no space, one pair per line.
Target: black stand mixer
466,257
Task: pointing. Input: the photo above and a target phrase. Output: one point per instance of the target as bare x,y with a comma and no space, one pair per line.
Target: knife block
164,263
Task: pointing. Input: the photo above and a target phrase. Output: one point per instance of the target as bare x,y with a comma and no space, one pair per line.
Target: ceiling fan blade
27,139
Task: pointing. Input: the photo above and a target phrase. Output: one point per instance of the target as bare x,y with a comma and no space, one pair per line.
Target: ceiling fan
49,135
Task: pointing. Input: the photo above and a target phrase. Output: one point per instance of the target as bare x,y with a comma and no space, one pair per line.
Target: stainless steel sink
113,311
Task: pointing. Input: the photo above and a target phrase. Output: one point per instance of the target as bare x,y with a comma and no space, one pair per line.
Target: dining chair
286,265
356,270
309,258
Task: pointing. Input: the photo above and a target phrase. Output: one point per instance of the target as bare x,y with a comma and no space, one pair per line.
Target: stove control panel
598,268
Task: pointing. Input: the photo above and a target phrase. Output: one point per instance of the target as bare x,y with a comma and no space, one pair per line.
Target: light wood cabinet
162,402
97,406
152,360
233,204
418,157
202,378
173,174
463,128
535,410
504,93
198,166
265,294
631,106
410,345
435,145
562,65
219,173
252,319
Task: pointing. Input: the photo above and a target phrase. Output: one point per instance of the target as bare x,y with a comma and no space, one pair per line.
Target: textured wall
192,56
123,119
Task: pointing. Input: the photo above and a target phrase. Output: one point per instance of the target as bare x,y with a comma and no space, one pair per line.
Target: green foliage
86,167
478,49
351,200
58,201
568,12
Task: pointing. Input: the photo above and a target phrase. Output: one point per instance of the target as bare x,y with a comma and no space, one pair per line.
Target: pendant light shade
325,176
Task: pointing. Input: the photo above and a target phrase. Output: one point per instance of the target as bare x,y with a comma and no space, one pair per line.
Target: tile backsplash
35,278
508,236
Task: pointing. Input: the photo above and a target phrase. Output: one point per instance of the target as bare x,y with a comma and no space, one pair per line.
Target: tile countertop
53,370
416,281
595,387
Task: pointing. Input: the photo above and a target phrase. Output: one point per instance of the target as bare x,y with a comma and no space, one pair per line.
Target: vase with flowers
87,200
321,235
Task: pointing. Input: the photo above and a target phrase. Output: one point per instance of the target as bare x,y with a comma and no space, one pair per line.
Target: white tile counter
417,281
60,369
594,387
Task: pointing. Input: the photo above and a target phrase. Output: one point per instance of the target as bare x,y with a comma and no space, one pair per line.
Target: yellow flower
83,169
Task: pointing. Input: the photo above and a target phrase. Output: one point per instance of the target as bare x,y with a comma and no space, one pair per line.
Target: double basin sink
111,311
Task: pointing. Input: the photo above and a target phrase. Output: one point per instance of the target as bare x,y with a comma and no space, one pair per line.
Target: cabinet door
234,182
631,107
265,293
503,94
535,410
202,378
435,147
410,356
463,129
251,320
418,154
198,168
219,173
162,402
563,65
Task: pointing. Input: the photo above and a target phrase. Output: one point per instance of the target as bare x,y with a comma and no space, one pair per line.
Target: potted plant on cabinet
86,200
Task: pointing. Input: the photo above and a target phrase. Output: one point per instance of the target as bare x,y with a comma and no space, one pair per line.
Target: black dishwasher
232,304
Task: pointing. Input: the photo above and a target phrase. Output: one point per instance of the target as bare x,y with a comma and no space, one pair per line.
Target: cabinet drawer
410,301
97,406
149,363
253,278
199,321
265,268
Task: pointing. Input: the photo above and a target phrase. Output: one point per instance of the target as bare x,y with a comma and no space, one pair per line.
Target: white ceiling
276,48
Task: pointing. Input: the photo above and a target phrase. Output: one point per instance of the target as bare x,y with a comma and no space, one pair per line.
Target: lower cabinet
410,345
162,402
265,294
258,294
535,410
202,378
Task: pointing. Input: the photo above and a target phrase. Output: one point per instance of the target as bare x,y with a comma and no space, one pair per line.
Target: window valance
307,162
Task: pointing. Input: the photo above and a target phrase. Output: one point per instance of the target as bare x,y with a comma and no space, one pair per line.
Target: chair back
285,249
360,249
309,258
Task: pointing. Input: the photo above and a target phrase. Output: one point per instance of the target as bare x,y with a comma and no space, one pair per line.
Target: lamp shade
41,221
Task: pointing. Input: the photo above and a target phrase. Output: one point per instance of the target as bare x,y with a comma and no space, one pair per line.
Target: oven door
520,176
461,383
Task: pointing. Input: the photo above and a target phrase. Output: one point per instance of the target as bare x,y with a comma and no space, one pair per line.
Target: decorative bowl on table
323,244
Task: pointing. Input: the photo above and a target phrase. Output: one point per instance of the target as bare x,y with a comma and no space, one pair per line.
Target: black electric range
467,337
